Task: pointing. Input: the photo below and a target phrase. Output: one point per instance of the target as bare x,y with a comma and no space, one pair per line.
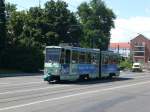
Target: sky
133,16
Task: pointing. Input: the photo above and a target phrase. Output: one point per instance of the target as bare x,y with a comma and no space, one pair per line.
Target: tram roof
53,47
75,48
79,49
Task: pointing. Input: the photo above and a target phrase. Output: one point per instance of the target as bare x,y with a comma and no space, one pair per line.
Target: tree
97,21
10,8
61,24
23,52
29,31
15,27
2,25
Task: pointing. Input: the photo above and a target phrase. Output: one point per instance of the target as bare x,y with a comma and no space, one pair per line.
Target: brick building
140,49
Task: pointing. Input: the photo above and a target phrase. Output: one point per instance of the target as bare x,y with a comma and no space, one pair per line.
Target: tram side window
81,57
111,58
67,57
74,57
97,58
94,58
118,59
88,58
115,59
62,58
105,59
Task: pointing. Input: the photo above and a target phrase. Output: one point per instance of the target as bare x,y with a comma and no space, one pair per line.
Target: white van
137,67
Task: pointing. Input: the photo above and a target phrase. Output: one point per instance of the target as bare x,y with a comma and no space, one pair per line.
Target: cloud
126,29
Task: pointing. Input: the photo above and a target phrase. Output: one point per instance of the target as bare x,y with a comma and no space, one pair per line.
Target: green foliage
28,32
25,56
9,7
97,21
126,64
60,24
2,25
23,49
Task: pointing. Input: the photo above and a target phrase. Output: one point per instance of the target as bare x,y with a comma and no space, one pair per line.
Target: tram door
65,61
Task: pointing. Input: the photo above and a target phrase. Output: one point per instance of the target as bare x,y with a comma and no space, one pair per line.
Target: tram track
53,92
40,83
76,94
93,82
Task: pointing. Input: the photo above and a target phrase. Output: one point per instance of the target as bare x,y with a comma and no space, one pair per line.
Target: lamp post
118,48
100,53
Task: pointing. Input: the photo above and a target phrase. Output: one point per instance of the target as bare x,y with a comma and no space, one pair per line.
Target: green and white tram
73,63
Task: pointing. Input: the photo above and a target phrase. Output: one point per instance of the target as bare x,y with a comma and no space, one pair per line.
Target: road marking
146,76
21,84
73,95
134,76
4,83
37,89
28,90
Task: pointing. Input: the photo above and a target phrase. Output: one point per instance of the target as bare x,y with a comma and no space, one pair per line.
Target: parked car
137,67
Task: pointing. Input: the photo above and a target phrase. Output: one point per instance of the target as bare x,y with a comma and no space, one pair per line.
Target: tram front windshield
52,55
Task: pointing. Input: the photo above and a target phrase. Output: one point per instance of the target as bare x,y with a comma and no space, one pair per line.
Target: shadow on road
93,81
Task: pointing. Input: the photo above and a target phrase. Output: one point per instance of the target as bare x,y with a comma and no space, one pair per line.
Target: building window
139,49
135,43
143,43
139,54
139,43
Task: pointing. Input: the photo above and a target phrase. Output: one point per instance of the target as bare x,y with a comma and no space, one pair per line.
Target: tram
74,63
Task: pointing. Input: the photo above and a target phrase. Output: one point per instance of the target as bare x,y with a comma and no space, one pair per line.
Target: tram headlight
45,70
56,71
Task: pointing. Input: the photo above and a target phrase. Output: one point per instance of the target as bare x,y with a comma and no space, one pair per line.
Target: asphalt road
128,93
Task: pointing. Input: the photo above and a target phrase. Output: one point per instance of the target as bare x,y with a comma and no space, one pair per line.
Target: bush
125,64
27,59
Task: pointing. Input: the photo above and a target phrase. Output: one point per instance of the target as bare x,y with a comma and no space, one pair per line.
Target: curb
20,74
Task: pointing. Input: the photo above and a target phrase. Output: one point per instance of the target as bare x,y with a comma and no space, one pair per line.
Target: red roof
120,45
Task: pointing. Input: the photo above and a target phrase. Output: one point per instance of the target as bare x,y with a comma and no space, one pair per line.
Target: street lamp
100,53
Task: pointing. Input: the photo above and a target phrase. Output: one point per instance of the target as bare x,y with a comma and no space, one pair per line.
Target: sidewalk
146,70
20,74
